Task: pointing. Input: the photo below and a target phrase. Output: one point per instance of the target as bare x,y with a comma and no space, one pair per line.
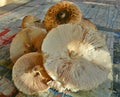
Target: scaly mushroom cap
31,21
28,40
62,13
78,59
29,75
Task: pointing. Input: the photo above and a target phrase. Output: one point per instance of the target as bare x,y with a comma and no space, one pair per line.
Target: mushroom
27,40
62,13
31,21
77,58
87,24
29,74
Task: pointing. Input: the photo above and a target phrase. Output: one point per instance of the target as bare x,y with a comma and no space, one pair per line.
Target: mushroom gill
29,74
62,13
27,40
77,58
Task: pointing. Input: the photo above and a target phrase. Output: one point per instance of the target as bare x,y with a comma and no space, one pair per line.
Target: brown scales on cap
62,13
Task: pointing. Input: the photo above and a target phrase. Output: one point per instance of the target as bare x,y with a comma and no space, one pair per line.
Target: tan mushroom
27,40
31,21
29,75
79,60
62,13
87,24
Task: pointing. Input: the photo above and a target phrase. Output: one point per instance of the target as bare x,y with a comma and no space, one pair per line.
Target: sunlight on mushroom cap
78,59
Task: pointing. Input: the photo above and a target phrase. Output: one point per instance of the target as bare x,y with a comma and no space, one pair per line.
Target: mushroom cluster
65,51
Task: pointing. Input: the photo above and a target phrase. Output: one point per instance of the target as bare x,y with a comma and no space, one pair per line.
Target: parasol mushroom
62,13
77,58
31,21
27,40
29,75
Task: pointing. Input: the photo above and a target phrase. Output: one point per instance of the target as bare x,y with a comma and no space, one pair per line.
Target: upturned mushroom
31,21
29,74
62,13
27,40
76,58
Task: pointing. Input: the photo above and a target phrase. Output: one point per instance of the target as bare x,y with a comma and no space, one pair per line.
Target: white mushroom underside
25,77
78,59
29,84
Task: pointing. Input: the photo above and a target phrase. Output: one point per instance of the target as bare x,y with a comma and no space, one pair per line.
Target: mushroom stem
72,54
37,71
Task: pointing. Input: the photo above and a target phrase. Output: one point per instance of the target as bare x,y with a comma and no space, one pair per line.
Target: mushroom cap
87,24
27,40
78,59
62,13
31,21
29,75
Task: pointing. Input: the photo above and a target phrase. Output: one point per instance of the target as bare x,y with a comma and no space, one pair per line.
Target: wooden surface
104,13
